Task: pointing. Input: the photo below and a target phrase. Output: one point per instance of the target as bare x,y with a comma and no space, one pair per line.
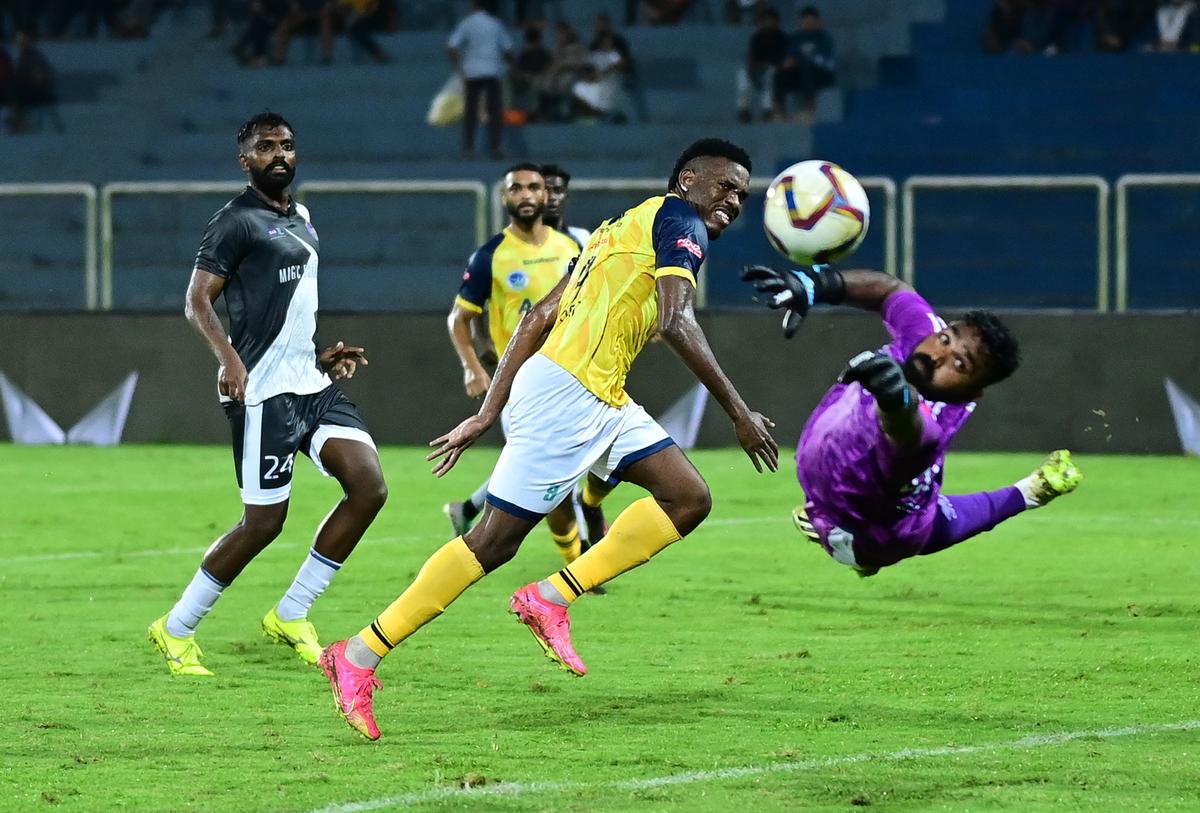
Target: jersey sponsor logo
310,228
689,245
518,281
537,260
274,233
290,273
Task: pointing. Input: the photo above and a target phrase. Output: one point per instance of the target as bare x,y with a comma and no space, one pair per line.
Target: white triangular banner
104,424
682,418
1187,417
27,422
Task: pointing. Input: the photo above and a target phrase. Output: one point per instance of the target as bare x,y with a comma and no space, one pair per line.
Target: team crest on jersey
273,233
518,281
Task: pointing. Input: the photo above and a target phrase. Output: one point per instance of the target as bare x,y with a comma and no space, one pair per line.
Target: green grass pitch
941,684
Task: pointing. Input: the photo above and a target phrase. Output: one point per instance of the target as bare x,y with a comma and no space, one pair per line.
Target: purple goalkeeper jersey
854,477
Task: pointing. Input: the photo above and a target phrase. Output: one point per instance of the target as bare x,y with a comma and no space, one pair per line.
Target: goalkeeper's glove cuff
829,286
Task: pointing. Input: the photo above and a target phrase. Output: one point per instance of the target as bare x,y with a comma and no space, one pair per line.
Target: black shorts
267,436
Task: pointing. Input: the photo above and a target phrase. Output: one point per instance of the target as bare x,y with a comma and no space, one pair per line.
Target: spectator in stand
302,13
602,27
266,16
570,62
530,71
1004,26
756,78
1120,22
1044,26
480,48
597,94
32,84
358,18
1172,20
808,68
664,12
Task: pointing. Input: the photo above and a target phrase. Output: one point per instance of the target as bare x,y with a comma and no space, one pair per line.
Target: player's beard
271,183
525,221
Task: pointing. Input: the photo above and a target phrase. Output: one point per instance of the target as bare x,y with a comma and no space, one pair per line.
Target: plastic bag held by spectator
447,106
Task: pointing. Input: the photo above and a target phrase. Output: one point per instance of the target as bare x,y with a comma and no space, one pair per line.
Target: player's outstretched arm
895,399
529,336
202,292
799,289
475,379
678,327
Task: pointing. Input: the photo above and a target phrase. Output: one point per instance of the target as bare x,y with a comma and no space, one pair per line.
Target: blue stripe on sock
324,560
214,579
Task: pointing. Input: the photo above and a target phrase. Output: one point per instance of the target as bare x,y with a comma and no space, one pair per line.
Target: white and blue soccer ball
816,212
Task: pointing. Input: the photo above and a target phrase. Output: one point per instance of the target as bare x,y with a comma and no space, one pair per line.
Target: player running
563,379
507,275
872,455
260,252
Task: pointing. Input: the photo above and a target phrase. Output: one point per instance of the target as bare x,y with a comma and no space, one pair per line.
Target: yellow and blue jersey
609,310
508,276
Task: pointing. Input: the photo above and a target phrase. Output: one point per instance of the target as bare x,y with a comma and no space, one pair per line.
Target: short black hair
708,148
554,170
262,121
1003,352
524,166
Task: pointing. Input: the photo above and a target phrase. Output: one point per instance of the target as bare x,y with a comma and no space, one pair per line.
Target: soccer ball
816,212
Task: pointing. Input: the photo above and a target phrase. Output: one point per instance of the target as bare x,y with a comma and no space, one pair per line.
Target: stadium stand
916,95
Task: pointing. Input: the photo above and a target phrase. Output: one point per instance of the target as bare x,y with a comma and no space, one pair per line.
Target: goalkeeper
872,454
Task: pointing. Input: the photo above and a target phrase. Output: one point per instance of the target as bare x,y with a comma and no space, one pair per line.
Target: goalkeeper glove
796,290
882,376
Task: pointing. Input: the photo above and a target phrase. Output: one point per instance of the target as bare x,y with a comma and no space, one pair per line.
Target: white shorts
557,431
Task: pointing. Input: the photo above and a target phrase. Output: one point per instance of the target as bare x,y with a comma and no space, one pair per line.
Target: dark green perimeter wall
1090,382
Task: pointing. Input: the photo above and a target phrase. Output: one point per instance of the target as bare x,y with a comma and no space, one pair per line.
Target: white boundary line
780,519
692,777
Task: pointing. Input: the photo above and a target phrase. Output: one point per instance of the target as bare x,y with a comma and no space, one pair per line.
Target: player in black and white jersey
260,252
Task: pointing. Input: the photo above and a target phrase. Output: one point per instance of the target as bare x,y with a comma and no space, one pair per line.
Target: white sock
315,575
194,604
550,593
361,655
480,497
1025,486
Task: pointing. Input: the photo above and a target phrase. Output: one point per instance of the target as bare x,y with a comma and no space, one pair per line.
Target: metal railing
1121,226
88,192
1012,182
475,188
99,245
111,190
655,185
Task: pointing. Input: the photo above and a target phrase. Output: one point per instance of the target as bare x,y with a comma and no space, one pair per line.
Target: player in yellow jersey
561,383
507,275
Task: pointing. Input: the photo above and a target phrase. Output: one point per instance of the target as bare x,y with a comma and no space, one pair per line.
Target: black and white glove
796,290
882,376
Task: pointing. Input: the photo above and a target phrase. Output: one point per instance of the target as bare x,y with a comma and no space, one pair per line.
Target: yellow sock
642,530
443,578
568,544
588,495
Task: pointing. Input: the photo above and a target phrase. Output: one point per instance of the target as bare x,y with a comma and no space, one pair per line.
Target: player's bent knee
372,495
264,526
